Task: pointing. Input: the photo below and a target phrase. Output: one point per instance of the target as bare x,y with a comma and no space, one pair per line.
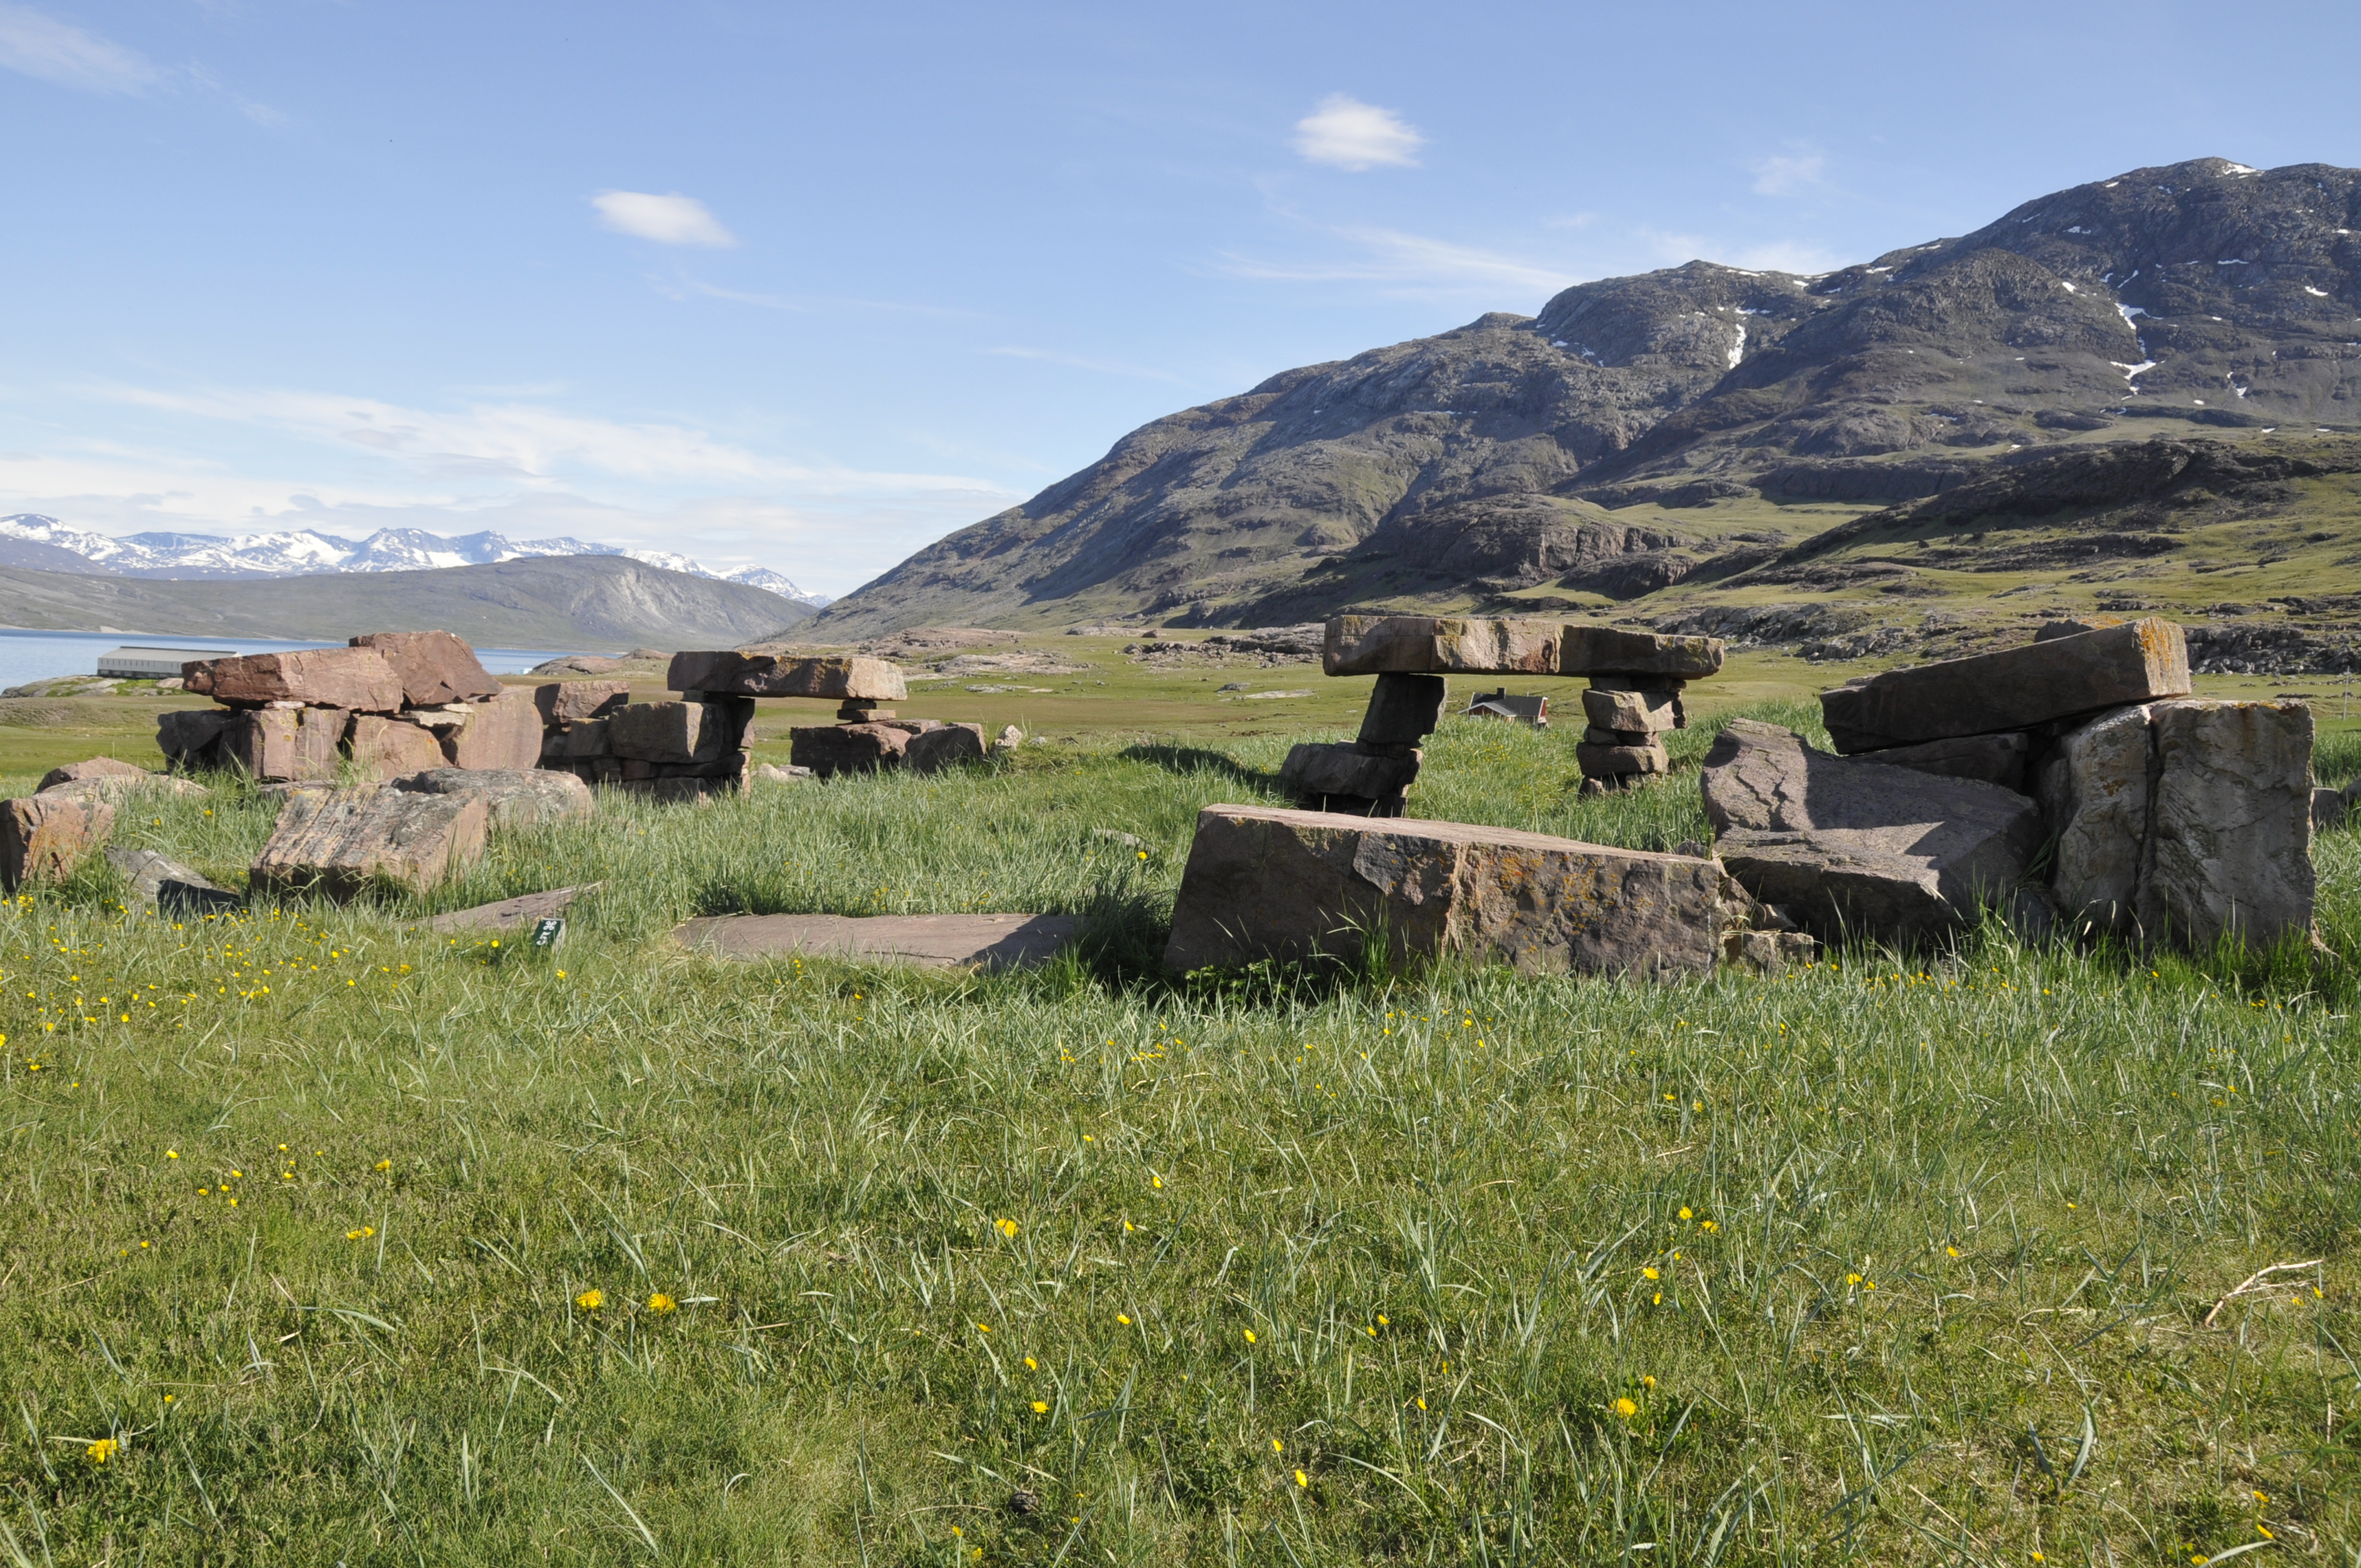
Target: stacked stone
394,702
867,736
1634,698
1637,678
689,749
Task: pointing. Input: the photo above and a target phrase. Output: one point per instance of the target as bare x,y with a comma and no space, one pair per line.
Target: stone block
516,798
178,891
1426,644
1996,759
1616,650
43,839
338,843
434,667
385,748
503,733
354,678
97,767
319,742
260,742
1267,884
945,746
1619,761
190,738
1403,709
588,738
769,674
2016,689
672,731
577,702
1636,711
2095,789
1857,850
2232,823
1316,770
828,749
1594,736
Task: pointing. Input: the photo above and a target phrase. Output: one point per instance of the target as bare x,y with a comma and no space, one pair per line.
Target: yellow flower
1422,1404
1647,1383
171,1154
101,1450
1277,1446
1031,1364
591,1300
1952,1250
660,1303
983,1328
1156,1181
1626,1408
1006,1227
1384,1321
1041,1407
1685,1213
1301,1479
1852,1278
1124,1318
362,1234
1648,1274
381,1165
1250,1339
1709,1225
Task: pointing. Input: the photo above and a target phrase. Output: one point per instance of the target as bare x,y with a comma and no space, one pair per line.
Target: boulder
1859,850
2016,689
671,731
1267,884
385,748
574,702
175,890
517,797
97,767
945,745
1619,761
337,843
1334,776
502,733
1996,759
190,738
354,678
1427,644
2186,822
1403,710
770,674
45,837
434,667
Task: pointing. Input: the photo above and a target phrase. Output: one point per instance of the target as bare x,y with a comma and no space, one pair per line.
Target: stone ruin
2072,784
867,736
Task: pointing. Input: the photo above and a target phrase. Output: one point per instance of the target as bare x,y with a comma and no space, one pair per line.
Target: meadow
330,1239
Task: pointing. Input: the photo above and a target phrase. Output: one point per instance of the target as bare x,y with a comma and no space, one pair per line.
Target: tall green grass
1888,1260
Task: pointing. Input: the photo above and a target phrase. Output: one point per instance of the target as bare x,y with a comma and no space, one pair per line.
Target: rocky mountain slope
44,544
586,602
1640,428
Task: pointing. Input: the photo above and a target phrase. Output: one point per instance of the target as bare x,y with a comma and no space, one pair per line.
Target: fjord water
45,655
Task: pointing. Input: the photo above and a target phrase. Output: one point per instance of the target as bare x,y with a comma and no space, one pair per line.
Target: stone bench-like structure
1636,680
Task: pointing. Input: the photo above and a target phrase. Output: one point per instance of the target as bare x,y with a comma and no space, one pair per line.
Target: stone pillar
1627,716
1371,775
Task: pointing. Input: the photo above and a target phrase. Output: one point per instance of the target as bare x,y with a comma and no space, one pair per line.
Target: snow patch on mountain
307,551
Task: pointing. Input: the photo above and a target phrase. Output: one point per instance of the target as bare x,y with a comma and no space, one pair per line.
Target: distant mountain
45,544
584,603
1605,445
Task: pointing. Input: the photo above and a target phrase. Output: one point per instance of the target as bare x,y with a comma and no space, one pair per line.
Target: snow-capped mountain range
307,553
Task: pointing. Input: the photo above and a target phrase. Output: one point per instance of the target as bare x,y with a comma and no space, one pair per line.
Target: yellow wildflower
103,1450
1626,1408
1301,1479
1250,1339
1041,1407
660,1303
591,1300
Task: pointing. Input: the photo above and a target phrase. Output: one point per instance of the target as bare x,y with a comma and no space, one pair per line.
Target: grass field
331,1240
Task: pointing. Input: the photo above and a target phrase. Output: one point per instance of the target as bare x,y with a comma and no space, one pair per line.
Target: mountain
46,544
1640,428
576,603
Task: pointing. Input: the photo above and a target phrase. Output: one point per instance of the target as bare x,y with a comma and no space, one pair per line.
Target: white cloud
1390,255
1353,135
1781,175
41,45
675,219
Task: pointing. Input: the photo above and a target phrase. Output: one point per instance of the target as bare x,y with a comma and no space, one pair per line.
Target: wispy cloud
1077,362
1392,256
39,44
1349,134
1788,174
673,219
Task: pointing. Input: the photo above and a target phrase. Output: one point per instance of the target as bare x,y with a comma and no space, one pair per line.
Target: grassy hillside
360,1244
579,601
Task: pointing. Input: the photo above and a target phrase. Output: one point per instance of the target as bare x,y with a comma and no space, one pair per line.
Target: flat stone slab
1269,883
934,941
1853,849
2016,688
1428,644
770,674
338,842
508,914
174,889
357,679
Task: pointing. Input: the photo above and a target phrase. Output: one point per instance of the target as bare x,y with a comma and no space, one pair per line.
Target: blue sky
808,287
